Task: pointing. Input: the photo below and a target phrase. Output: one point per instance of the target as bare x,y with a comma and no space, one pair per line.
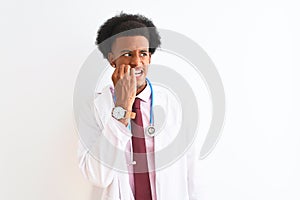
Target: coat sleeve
101,149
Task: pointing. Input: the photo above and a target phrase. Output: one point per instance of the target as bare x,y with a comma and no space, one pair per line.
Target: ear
111,59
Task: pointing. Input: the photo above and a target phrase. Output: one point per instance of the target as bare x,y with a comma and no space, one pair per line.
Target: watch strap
130,114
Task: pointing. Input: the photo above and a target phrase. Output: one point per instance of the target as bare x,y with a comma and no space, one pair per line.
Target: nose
135,61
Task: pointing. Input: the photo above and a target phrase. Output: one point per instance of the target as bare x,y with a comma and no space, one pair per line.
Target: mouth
138,73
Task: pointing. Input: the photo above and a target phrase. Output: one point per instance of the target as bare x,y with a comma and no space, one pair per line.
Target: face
133,51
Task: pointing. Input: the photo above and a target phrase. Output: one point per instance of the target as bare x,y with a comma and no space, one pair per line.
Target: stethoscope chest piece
150,131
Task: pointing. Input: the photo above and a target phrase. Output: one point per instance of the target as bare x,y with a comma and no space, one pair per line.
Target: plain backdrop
254,45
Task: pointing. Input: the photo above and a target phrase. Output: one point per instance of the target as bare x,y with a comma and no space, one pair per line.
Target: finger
115,74
127,70
121,71
132,72
132,75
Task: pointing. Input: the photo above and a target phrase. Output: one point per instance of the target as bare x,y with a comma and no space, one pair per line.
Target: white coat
178,181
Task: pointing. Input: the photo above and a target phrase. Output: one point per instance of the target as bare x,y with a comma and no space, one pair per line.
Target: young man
124,111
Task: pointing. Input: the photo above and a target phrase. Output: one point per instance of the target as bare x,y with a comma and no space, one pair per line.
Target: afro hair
126,25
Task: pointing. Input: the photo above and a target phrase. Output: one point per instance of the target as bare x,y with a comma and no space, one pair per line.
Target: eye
126,54
144,54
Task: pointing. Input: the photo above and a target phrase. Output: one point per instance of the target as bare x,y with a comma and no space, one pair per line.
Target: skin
129,55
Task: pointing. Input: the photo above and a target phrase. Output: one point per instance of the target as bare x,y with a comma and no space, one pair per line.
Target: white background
254,45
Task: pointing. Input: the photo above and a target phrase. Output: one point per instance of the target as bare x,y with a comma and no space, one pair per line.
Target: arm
108,146
98,159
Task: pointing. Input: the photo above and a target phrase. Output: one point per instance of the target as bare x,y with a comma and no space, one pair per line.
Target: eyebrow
126,51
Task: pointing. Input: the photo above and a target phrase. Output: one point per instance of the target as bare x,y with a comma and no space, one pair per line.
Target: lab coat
178,180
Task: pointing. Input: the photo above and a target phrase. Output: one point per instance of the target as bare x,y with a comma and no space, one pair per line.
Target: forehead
130,43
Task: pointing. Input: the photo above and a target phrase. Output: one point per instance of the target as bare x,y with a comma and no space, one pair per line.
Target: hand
125,86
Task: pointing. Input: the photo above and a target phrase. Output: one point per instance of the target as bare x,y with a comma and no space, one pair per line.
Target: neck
141,88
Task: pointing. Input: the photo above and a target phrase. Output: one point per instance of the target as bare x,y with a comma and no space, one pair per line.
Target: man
123,113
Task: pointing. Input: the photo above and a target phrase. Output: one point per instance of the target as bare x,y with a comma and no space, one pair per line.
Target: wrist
124,121
126,106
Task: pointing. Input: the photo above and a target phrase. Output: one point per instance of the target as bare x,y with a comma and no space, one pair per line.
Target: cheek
147,61
146,65
146,69
121,61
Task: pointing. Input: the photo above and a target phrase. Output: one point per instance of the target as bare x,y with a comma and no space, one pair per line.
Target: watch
120,113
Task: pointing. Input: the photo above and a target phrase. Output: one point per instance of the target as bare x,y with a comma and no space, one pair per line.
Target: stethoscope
150,130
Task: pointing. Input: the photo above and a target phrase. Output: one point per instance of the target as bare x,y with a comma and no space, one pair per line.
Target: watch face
118,112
